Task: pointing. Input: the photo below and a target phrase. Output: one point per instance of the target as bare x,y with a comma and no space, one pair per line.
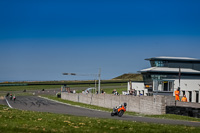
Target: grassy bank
12,120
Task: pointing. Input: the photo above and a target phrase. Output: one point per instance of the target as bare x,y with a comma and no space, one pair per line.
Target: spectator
134,92
115,92
177,93
102,91
130,92
184,99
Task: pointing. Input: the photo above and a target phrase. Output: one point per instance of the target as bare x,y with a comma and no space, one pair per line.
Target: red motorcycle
119,111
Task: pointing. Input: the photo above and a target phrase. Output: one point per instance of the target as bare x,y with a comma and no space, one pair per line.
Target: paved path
44,105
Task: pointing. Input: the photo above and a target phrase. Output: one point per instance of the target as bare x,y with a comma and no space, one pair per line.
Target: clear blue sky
39,40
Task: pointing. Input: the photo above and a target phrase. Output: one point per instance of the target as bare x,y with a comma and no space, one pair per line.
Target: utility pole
179,76
99,75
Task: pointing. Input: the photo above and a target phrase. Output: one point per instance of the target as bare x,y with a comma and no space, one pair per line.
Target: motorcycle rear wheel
112,114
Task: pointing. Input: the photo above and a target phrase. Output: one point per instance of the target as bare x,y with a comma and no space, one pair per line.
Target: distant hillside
130,76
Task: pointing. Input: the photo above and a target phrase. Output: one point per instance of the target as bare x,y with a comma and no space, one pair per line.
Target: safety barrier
157,104
141,104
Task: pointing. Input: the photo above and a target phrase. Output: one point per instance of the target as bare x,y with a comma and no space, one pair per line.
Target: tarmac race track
35,103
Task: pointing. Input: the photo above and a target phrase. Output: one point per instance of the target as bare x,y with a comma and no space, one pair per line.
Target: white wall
138,86
187,85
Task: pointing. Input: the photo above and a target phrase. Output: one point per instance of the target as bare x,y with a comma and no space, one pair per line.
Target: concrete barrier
157,104
140,104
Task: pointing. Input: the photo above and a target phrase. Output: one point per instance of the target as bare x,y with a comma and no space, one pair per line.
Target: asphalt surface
35,103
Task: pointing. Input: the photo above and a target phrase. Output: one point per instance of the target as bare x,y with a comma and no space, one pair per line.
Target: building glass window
153,77
163,85
160,63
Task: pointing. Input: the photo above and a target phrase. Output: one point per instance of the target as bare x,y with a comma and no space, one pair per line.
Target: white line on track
8,103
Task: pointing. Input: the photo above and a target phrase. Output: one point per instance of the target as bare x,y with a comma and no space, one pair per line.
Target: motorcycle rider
125,104
11,96
117,107
14,98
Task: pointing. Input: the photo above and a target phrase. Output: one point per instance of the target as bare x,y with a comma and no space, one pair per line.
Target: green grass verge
175,117
164,116
30,87
40,87
75,82
12,120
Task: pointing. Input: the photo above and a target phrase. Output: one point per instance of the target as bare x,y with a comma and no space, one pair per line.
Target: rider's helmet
125,104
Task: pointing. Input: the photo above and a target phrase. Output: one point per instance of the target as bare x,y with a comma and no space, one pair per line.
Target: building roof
170,70
174,58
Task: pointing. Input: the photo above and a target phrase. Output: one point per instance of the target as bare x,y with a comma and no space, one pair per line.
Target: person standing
134,92
177,93
184,99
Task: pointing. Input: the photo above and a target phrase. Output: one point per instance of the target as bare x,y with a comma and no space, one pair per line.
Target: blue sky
40,39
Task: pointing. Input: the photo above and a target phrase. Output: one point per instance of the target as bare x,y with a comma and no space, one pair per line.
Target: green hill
130,76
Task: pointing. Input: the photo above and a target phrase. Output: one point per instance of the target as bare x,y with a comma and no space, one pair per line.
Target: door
190,96
197,96
165,85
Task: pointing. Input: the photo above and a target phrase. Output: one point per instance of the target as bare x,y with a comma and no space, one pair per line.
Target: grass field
12,120
40,87
29,87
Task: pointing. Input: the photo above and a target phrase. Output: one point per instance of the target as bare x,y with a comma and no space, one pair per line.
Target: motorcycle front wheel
120,113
